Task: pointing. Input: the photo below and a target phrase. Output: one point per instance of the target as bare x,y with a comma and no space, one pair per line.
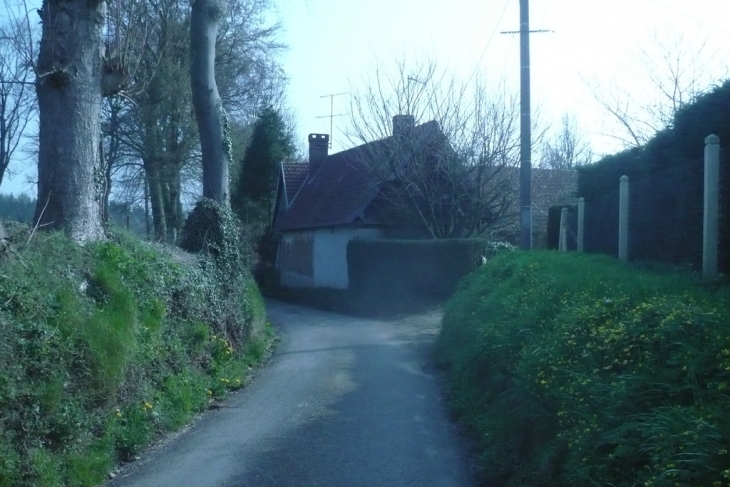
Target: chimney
318,144
403,125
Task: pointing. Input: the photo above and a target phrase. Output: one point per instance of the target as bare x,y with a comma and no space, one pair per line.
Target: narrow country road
343,402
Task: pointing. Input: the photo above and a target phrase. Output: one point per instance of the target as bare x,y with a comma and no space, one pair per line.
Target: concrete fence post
581,222
623,219
710,217
563,230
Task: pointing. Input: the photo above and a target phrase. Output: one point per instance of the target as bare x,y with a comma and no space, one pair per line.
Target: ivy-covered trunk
209,111
69,88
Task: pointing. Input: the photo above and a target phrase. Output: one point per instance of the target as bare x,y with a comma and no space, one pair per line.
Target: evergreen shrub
666,189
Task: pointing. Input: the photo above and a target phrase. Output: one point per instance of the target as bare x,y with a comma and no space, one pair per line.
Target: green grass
108,346
578,370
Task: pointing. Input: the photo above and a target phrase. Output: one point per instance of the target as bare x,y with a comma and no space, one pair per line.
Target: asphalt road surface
343,402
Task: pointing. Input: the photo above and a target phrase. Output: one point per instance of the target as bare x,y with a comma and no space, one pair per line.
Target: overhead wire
491,38
690,17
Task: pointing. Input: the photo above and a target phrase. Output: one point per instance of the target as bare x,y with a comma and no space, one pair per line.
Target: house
339,199
335,198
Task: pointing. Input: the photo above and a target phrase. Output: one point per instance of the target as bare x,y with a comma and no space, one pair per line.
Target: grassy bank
105,347
578,370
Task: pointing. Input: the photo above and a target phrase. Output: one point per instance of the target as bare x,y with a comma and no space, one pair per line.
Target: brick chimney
403,125
318,145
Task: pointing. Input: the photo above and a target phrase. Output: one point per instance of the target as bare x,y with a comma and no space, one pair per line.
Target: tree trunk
69,102
172,204
154,185
206,100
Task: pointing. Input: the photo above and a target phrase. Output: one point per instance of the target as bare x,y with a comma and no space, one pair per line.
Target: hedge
425,268
666,189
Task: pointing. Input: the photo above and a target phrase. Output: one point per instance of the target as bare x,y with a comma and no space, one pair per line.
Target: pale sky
335,43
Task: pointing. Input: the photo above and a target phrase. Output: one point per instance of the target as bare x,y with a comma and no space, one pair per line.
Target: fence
668,214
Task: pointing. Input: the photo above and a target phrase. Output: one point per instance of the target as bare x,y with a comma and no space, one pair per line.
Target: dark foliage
17,208
411,268
553,227
666,189
255,189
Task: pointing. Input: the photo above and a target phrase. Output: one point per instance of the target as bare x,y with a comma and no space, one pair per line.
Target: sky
336,44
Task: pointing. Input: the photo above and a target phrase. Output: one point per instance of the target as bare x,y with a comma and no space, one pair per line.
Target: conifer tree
255,189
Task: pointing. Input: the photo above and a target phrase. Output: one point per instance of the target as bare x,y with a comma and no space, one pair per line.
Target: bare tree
17,97
453,176
567,149
676,71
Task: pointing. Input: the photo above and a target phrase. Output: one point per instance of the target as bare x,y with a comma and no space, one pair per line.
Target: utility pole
525,126
332,115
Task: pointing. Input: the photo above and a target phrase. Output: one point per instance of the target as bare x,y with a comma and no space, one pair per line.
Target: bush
666,189
576,370
106,346
427,268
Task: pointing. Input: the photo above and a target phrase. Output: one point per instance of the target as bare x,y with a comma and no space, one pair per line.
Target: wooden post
623,219
563,246
710,217
581,222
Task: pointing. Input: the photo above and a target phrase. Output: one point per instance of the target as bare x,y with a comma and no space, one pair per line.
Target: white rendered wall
330,254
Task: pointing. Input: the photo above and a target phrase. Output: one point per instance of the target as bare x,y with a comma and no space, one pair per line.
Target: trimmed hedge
666,189
426,268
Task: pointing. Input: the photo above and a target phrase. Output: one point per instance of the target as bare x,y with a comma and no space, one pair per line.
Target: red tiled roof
551,187
295,173
342,188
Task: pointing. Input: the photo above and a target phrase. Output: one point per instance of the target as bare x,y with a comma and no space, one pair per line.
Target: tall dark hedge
666,181
399,269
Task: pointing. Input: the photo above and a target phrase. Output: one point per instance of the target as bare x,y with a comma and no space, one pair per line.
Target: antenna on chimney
332,115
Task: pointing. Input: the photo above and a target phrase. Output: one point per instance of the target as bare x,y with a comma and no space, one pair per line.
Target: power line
491,37
690,17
